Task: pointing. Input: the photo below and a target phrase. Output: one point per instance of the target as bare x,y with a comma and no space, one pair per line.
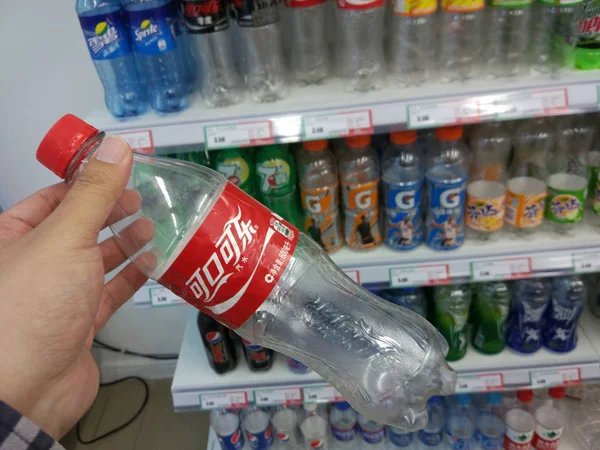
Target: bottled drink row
429,187
461,422
152,52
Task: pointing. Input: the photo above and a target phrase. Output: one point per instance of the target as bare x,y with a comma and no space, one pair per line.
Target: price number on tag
445,113
338,125
239,134
161,296
427,275
586,262
140,141
555,377
480,383
291,396
224,400
503,269
321,394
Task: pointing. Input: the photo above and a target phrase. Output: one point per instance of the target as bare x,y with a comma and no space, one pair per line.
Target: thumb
95,192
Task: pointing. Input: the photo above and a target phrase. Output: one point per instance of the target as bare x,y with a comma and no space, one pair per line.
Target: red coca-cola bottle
220,348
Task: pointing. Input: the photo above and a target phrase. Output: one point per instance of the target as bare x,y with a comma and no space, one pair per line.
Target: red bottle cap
403,137
62,142
449,133
358,141
525,395
557,392
314,146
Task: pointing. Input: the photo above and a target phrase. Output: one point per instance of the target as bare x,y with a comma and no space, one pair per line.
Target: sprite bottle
277,181
492,305
452,304
237,165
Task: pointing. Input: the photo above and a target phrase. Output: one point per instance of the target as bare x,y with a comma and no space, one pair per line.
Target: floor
158,427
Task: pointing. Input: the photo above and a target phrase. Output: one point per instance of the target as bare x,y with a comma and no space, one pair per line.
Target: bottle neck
81,158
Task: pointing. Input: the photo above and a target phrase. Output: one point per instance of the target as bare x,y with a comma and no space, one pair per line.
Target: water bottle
508,37
529,302
562,316
460,39
460,425
403,175
412,298
400,439
285,422
260,46
550,421
412,41
372,433
342,420
446,177
227,425
270,283
309,56
314,428
207,25
257,424
432,436
490,425
359,44
161,64
105,32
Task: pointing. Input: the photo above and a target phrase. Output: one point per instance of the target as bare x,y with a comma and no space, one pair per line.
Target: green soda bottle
237,165
492,305
277,183
452,304
191,153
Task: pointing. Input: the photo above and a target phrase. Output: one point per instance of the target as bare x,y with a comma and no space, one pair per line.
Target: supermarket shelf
292,119
195,382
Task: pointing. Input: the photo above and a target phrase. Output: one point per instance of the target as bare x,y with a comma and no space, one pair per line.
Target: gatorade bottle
237,165
359,174
403,173
446,177
320,195
276,172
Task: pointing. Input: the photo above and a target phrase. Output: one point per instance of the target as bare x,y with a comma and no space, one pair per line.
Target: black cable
100,344
126,424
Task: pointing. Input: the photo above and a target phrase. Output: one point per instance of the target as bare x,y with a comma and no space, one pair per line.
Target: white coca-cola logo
343,3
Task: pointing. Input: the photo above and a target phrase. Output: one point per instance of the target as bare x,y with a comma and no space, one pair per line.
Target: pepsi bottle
259,358
220,348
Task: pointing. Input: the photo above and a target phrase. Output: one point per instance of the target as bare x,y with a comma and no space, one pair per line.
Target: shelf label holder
420,275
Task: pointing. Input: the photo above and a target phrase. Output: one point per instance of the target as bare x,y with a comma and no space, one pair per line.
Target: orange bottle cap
358,141
314,146
403,137
449,133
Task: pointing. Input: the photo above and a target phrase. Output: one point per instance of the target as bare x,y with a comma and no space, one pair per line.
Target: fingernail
112,150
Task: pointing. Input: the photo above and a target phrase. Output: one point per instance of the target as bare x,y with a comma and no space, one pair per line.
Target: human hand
53,299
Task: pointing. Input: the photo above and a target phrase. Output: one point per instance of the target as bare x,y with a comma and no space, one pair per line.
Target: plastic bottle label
587,53
462,6
217,347
372,436
262,440
485,214
401,440
322,220
256,13
415,8
565,206
403,212
560,330
596,193
205,16
105,35
359,4
457,443
150,30
275,177
524,211
303,3
525,327
361,209
545,438
489,442
237,171
516,440
430,439
343,434
511,3
251,248
233,441
447,209
256,353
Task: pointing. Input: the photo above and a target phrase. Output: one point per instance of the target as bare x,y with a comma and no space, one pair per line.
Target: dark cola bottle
220,347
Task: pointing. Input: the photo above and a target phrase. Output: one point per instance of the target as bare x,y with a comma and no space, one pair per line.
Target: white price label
321,394
140,141
426,275
501,269
338,125
161,296
555,377
531,104
291,396
586,262
239,134
354,275
445,113
480,383
224,400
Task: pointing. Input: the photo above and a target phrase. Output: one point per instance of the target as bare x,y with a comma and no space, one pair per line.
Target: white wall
45,72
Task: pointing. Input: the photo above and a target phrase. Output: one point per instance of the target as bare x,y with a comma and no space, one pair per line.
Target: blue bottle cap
463,399
342,406
494,398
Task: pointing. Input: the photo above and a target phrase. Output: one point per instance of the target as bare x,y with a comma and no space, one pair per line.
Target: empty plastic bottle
260,46
309,56
460,424
161,65
227,425
412,41
432,436
460,39
359,44
372,433
490,424
105,32
403,175
207,24
265,279
342,420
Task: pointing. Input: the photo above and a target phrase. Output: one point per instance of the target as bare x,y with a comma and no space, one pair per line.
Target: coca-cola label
546,438
234,260
359,4
303,3
205,16
256,13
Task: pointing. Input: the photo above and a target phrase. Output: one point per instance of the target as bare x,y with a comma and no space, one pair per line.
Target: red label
234,260
303,3
509,444
359,4
539,443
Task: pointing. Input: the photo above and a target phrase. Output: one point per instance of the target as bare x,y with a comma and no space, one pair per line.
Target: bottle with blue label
371,433
257,423
460,426
226,424
412,298
432,436
105,32
162,65
530,300
562,316
400,439
403,173
490,426
446,179
342,420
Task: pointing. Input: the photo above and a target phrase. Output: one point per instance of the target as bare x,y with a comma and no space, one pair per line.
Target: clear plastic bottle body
285,423
372,434
490,424
432,436
460,424
124,92
227,425
342,420
359,48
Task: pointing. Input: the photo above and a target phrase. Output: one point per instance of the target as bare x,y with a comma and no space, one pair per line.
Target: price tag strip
224,400
344,124
480,383
555,377
532,104
501,269
424,275
453,112
161,296
321,394
287,396
140,141
586,262
245,134
354,275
